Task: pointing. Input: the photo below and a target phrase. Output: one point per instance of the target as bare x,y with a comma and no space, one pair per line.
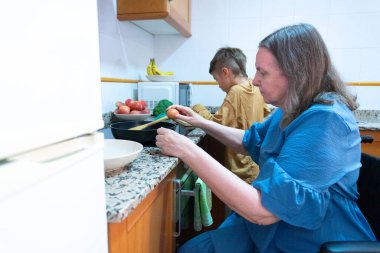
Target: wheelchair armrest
350,247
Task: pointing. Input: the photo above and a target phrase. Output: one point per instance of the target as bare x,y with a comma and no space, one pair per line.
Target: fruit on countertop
123,109
152,69
135,112
149,70
137,105
131,107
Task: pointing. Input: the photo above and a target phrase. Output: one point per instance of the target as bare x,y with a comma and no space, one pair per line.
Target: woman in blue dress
308,151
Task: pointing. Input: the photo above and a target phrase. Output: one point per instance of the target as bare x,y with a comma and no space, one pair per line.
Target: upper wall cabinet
157,16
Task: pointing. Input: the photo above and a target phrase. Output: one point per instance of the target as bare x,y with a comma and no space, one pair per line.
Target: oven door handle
177,184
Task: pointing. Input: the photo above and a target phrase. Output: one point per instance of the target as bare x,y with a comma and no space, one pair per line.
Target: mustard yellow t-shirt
242,106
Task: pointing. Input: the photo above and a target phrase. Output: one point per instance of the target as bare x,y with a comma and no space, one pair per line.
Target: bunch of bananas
152,69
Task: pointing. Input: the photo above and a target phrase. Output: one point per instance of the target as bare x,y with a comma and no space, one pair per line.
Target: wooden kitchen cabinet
374,147
157,16
149,228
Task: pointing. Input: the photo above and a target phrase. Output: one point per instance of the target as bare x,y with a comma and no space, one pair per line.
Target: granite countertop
368,119
127,188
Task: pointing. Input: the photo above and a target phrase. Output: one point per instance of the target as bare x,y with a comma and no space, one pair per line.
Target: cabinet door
149,228
145,9
157,16
179,16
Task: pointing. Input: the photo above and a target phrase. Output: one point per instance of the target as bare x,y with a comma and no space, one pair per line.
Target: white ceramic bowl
118,153
158,78
132,116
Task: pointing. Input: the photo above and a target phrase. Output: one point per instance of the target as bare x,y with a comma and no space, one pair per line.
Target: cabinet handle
177,184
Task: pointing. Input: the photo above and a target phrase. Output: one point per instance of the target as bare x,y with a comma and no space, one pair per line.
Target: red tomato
135,112
123,109
128,102
172,113
137,105
143,102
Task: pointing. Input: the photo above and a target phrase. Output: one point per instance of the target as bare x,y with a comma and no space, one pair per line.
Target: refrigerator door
53,199
50,76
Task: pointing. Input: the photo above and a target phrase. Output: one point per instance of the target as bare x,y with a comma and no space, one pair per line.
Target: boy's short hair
232,58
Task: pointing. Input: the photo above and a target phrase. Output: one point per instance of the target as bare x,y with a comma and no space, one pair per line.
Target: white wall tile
320,22
277,8
106,17
203,64
370,65
182,64
347,62
311,7
112,92
368,97
369,34
244,33
343,31
274,23
112,60
245,8
171,44
124,47
202,10
354,6
211,34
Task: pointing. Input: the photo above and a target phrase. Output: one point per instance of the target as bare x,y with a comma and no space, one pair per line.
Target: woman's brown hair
305,61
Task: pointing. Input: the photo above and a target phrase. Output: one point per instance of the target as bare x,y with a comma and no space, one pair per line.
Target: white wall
125,50
112,92
349,27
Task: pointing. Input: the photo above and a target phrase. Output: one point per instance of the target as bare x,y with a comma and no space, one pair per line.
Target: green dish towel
202,205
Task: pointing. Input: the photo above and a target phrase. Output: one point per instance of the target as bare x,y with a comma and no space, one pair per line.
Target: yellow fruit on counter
154,70
149,68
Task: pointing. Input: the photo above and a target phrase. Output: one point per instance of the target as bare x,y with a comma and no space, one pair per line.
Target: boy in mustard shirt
242,106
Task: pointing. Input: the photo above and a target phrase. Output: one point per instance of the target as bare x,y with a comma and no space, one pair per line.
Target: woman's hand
173,143
188,115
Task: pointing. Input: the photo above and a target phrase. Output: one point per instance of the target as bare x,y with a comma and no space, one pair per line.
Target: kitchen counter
368,119
127,188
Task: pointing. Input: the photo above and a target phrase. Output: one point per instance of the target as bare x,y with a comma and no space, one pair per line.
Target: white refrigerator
52,196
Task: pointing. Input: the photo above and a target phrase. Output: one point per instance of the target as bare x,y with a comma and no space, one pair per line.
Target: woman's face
269,78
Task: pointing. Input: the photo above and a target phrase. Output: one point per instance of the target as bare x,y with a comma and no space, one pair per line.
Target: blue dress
308,174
